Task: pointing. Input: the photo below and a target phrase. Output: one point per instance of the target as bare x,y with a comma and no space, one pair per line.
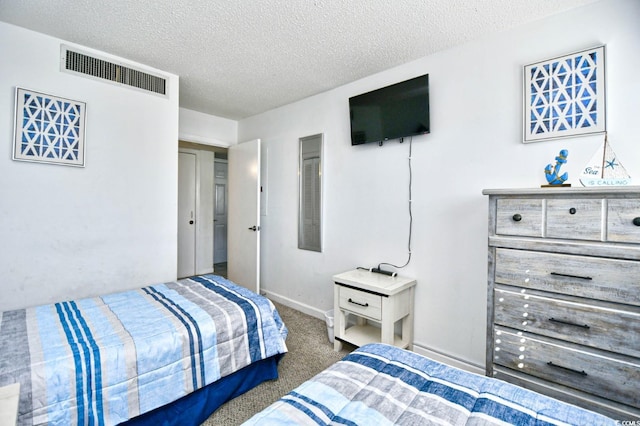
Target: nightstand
373,300
9,396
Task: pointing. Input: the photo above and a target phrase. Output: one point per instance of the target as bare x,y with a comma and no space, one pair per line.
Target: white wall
73,232
207,129
476,118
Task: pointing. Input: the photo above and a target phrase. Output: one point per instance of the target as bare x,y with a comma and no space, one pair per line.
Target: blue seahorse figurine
552,173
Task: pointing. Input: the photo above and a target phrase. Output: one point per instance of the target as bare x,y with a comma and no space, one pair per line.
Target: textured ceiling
237,58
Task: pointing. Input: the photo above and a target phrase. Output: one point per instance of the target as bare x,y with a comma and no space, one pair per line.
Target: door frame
203,248
186,145
217,161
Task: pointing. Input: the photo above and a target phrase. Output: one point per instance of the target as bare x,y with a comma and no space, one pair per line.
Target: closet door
186,214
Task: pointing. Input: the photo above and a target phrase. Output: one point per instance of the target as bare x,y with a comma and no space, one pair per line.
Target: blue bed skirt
195,408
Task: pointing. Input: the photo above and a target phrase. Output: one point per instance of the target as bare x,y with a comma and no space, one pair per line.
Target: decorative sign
565,96
605,169
48,129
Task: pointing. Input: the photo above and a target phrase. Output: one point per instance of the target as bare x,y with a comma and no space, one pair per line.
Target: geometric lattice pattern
565,96
49,129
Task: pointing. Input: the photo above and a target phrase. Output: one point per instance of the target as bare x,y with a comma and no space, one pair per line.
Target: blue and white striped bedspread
383,385
103,360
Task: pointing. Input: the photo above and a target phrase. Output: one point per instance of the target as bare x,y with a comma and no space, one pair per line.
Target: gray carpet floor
310,352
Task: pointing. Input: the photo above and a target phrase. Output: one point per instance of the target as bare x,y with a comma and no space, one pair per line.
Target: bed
164,354
379,384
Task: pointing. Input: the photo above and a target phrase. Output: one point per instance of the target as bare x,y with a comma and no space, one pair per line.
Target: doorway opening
220,212
202,210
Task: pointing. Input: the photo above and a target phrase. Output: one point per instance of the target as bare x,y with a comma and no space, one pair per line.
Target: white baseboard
304,308
417,347
447,359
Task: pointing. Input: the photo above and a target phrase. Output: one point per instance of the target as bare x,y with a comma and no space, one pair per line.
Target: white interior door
220,206
186,215
243,222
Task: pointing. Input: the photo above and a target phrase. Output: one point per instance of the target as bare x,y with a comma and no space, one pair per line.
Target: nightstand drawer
623,220
580,323
578,369
522,217
611,280
360,302
574,219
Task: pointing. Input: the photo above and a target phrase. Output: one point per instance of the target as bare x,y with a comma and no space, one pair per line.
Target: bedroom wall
73,232
476,143
207,129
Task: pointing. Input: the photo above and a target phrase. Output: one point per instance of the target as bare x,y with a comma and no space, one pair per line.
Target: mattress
383,385
104,360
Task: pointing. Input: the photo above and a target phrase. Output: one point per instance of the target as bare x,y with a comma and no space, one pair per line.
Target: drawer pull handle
636,221
517,217
580,372
572,210
570,276
357,303
569,323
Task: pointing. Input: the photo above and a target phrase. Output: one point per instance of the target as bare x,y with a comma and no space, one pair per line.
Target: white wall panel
70,232
207,129
476,143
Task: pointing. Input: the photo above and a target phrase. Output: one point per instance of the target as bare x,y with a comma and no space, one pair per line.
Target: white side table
9,396
373,298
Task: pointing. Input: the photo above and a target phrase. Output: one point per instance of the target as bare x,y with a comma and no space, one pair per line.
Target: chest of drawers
563,315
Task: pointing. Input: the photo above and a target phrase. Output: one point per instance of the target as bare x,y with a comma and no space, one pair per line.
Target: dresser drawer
361,303
576,219
522,217
610,280
585,324
621,214
577,369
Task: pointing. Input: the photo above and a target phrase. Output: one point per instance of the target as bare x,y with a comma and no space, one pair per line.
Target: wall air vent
87,65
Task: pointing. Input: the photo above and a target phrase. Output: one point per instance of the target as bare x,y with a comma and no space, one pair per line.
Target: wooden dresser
563,312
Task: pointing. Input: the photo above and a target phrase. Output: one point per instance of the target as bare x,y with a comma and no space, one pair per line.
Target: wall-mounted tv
392,112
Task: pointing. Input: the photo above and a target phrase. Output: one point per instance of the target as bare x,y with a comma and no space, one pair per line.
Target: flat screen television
391,112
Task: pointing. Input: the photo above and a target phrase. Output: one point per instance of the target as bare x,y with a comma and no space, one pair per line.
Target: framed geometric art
565,96
48,129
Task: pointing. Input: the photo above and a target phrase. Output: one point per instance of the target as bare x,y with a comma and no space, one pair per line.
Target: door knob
190,222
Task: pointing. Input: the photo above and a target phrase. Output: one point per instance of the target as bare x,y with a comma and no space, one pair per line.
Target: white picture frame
49,129
565,96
